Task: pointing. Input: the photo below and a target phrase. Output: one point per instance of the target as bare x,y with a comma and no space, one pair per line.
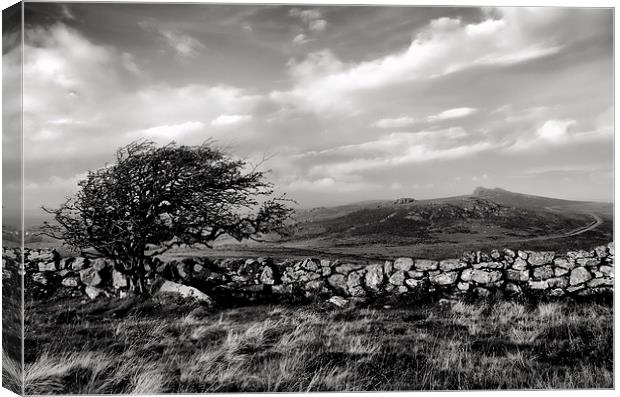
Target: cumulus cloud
312,21
445,46
86,119
230,119
312,18
397,122
451,114
184,44
169,132
557,133
300,39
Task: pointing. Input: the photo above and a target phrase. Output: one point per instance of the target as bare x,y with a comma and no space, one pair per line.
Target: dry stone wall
504,273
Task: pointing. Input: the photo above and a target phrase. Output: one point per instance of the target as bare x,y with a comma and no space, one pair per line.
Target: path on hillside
596,222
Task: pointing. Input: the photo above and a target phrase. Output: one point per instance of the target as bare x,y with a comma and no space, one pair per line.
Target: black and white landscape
249,198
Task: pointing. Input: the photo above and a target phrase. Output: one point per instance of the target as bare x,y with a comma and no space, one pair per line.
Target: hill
487,218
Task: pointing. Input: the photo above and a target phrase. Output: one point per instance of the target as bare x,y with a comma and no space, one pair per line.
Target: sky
341,103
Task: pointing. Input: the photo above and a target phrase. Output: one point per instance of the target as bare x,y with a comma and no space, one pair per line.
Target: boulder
311,264
47,267
71,282
488,265
519,264
542,272
374,277
560,271
425,265
40,278
481,276
588,262
558,282
338,301
90,277
41,256
403,264
509,253
347,268
184,291
315,286
540,258
579,275
517,275
267,276
607,270
538,285
495,255
99,264
463,286
444,278
118,280
401,290
565,263
338,282
79,263
580,254
94,293
398,278
414,274
413,284
557,292
598,282
447,265
354,279
600,251
610,248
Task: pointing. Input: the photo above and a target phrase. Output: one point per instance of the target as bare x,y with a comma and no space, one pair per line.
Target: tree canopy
165,196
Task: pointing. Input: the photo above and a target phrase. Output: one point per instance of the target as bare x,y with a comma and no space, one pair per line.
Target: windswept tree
154,198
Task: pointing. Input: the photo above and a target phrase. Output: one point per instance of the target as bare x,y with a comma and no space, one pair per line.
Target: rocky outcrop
504,272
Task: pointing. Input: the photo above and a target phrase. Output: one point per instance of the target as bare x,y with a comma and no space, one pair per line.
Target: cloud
317,25
397,122
312,18
231,119
452,114
85,119
394,150
312,23
129,62
300,39
323,83
185,45
169,132
559,133
329,184
555,131
66,12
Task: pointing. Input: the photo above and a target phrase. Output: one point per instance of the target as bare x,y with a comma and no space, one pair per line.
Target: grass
158,348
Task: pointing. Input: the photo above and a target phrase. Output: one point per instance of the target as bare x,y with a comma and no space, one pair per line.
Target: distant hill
483,216
507,198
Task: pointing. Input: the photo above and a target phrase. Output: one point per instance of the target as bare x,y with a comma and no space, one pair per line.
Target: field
141,346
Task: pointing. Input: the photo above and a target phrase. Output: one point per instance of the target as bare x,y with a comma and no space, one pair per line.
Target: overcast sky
349,103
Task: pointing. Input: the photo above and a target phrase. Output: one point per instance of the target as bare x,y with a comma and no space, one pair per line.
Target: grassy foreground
146,347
